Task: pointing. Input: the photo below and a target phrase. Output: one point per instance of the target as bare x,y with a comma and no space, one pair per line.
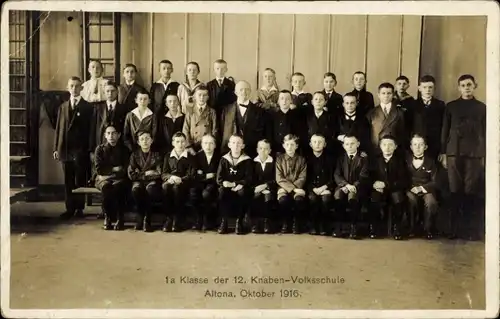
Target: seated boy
291,173
206,164
264,174
391,180
284,121
144,171
423,171
169,122
320,168
140,118
200,120
177,177
352,179
110,166
333,99
234,176
301,99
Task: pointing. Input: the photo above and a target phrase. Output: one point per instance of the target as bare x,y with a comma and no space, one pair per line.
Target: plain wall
382,46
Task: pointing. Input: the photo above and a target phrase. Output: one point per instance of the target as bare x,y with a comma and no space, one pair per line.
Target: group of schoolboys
290,157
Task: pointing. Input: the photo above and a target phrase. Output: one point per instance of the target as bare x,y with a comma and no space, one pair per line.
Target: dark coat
394,173
239,173
358,127
158,94
365,101
202,167
140,163
220,96
72,135
355,173
393,124
320,171
127,94
427,122
334,102
102,118
107,157
265,176
182,167
425,175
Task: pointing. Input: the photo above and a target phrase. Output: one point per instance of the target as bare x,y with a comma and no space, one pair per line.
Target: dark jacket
334,102
355,172
182,166
424,176
140,163
72,134
320,171
158,94
265,176
127,94
166,127
427,122
464,129
106,158
393,124
240,172
102,118
220,96
393,173
202,167
358,127
365,101
282,124
133,124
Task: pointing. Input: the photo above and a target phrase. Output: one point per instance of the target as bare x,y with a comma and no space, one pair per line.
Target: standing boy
111,161
140,118
93,89
144,171
264,181
200,120
243,118
284,121
463,146
320,122
333,99
365,98
169,122
291,173
234,177
389,173
163,87
220,89
177,177
422,170
386,119
403,99
301,99
206,164
71,146
352,179
127,91
320,169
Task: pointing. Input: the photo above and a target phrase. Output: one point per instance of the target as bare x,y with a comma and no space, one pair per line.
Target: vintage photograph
209,159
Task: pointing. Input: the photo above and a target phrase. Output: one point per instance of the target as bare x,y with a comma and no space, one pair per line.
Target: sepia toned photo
217,160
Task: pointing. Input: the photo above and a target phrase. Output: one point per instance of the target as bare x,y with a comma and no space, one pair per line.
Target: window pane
94,51
17,32
94,33
109,70
107,33
107,50
16,67
94,17
106,17
16,83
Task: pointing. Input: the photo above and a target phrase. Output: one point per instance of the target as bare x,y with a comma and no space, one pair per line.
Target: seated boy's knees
268,197
326,198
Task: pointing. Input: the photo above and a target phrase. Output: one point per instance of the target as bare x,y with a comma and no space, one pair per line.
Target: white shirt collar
298,93
220,79
387,158
247,102
271,89
386,105
268,160
318,114
130,84
288,110
352,154
328,92
147,113
208,157
169,114
178,157
242,157
113,103
77,98
164,84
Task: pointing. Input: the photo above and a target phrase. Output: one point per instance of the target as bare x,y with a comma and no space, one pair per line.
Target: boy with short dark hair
127,91
320,122
422,170
333,99
200,120
301,99
234,177
71,146
463,151
320,168
220,89
365,98
428,115
386,119
177,177
284,121
352,178
291,173
144,171
168,122
163,87
206,164
389,173
403,99
264,182
140,118
111,161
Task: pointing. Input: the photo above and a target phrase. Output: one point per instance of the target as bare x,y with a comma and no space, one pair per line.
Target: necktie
96,87
427,103
243,105
220,82
73,103
351,157
110,108
386,110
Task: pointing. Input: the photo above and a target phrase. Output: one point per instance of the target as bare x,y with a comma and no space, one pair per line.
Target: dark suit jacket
220,96
393,124
359,127
158,93
365,101
425,175
101,120
334,103
427,122
394,173
72,132
127,94
355,173
266,176
253,131
202,167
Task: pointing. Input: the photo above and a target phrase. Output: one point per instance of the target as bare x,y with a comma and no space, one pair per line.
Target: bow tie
418,158
243,105
350,117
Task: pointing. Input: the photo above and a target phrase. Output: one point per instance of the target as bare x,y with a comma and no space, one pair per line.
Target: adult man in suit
243,118
386,119
71,146
163,87
128,91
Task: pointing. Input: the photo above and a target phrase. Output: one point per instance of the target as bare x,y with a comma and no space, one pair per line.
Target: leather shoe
239,227
397,234
373,233
222,227
267,229
119,225
146,225
353,234
295,227
79,213
107,223
167,226
175,225
284,228
429,236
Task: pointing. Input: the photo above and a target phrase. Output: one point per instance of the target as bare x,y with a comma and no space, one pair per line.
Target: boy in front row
110,163
264,174
352,179
422,170
291,173
144,171
390,184
206,164
177,177
234,177
320,168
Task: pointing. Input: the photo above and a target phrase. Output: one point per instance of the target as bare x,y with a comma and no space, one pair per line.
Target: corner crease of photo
250,159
